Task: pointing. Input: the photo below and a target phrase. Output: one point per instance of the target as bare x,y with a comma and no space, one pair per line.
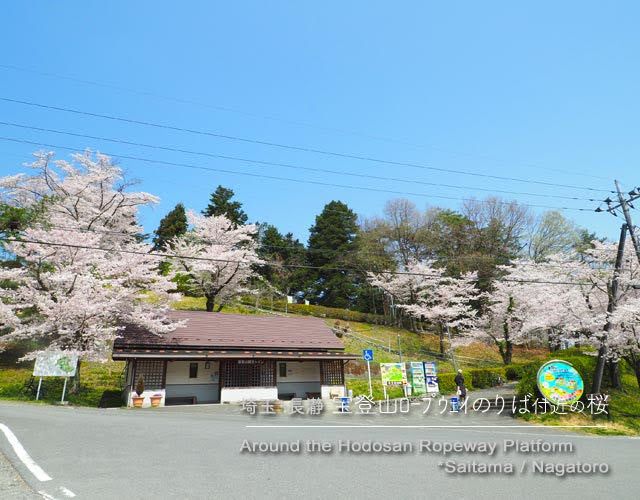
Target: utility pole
627,216
611,306
625,204
399,349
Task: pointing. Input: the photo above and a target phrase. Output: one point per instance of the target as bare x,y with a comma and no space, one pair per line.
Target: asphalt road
183,452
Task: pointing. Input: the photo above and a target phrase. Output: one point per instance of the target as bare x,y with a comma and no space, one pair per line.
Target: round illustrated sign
559,382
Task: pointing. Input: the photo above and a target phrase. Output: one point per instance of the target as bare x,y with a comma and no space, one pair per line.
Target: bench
181,400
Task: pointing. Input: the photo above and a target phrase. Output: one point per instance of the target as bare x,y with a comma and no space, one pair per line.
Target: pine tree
220,204
285,250
332,244
172,225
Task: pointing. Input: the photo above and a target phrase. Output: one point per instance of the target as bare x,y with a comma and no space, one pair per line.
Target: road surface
194,452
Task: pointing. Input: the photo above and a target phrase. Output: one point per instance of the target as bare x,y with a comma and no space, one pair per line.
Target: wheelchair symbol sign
367,354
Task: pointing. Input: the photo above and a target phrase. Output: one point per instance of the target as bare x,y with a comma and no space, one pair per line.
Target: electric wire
290,179
289,146
288,165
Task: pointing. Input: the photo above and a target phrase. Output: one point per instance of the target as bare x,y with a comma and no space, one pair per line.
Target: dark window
283,369
193,370
331,372
248,373
151,371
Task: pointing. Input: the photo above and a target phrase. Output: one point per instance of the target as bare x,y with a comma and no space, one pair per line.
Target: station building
222,358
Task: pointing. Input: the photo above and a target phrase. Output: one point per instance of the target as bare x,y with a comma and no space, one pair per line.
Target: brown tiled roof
194,354
235,331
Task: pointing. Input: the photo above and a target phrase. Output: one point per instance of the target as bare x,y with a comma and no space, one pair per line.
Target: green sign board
393,373
559,382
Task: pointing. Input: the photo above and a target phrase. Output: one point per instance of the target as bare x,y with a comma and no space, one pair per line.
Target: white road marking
67,492
33,467
46,495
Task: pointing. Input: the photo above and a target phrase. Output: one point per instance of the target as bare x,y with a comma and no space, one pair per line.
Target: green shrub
584,364
482,378
447,384
513,372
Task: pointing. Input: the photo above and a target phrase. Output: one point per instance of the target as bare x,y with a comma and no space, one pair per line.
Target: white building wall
178,372
302,378
300,371
238,394
204,387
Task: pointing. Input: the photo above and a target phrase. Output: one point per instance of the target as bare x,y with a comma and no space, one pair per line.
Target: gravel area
12,485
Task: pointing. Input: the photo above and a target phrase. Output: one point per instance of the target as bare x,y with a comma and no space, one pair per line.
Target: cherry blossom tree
625,336
426,293
530,301
217,257
68,293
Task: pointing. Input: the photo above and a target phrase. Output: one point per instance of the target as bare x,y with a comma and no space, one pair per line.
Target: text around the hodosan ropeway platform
538,456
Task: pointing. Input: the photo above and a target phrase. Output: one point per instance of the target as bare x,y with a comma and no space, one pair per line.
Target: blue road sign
367,354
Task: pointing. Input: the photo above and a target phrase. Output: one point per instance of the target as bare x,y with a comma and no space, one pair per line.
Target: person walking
462,390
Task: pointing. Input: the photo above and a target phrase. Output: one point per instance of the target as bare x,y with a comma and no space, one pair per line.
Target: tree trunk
597,374
210,303
635,363
508,353
75,380
441,339
614,375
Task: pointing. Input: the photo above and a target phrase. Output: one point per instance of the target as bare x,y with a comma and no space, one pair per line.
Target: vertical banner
431,377
416,377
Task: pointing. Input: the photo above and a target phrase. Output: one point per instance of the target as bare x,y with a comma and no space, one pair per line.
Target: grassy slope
625,411
96,379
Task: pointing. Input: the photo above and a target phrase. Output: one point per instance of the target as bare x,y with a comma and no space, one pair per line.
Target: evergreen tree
332,244
287,251
220,204
172,225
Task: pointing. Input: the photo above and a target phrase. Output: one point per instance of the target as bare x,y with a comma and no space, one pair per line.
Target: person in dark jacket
459,380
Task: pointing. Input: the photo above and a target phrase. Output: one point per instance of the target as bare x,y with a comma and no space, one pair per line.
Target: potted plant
156,399
138,399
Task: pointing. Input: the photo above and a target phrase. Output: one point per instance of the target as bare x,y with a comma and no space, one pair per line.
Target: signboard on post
393,374
416,376
431,377
559,382
55,364
367,355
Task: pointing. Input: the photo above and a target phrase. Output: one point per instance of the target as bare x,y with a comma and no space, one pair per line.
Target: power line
275,264
290,147
267,117
288,165
289,179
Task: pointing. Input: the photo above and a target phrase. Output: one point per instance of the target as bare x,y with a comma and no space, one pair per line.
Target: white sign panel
55,364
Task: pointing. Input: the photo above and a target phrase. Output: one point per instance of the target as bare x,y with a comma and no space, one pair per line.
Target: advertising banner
559,382
416,377
393,373
431,377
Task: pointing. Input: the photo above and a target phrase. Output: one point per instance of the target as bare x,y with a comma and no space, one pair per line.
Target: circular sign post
559,382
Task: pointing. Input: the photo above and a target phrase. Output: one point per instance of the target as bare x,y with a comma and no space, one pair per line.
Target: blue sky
546,91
